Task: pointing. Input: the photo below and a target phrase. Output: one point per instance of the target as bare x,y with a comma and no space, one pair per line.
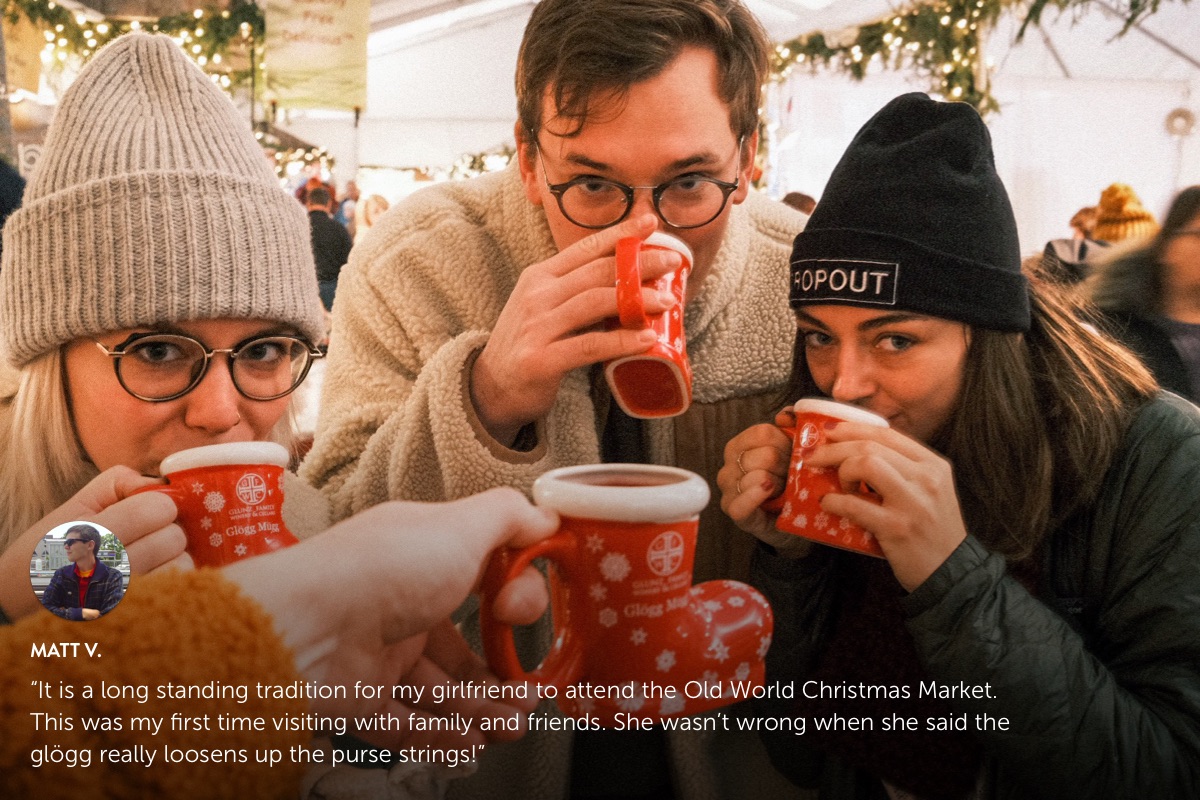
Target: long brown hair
1040,417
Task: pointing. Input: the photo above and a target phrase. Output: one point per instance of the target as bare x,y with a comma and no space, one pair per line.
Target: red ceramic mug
799,506
625,614
229,499
658,382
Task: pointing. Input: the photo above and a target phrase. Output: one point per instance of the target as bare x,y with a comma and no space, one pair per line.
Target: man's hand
375,602
549,326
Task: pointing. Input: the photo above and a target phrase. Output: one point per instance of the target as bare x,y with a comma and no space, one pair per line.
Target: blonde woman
367,213
155,269
158,293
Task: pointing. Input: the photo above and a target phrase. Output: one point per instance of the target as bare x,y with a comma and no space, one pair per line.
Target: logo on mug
251,489
809,435
665,553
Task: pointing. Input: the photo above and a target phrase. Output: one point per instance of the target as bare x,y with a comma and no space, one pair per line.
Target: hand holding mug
755,470
229,499
552,324
916,520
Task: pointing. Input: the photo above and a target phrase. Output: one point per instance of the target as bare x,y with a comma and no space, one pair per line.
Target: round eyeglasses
688,201
157,367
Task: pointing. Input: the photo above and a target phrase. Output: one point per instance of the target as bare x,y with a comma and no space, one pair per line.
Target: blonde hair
368,212
43,463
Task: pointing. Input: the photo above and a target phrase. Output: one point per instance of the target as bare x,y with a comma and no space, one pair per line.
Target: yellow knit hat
1122,216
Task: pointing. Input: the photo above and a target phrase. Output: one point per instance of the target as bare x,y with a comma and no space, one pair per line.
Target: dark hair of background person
1139,287
319,196
1040,417
804,203
584,48
89,533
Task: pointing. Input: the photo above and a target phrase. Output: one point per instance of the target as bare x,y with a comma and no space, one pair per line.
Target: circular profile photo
79,571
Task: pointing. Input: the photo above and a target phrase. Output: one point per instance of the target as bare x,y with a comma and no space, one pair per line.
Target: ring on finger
739,483
739,462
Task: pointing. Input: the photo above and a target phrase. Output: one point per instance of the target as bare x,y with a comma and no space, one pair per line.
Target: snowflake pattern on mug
206,523
634,703
608,617
718,650
742,672
821,520
240,550
595,543
800,521
638,636
216,539
614,567
197,488
672,704
214,501
665,660
764,644
598,591
737,601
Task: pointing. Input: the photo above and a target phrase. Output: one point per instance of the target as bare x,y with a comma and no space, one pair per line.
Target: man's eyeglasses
69,542
688,201
157,367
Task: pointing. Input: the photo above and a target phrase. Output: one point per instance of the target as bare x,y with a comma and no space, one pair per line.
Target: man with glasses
469,330
470,333
86,588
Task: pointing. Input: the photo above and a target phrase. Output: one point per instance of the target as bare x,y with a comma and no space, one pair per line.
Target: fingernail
666,297
768,485
646,335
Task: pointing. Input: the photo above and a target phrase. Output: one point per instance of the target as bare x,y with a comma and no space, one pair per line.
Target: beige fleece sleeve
415,307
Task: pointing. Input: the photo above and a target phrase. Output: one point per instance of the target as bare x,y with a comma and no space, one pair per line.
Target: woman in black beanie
1034,628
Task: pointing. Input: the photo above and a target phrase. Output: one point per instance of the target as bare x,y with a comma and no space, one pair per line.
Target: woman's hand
756,465
919,523
145,524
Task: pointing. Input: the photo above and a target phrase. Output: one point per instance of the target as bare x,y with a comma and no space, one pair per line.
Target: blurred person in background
1150,298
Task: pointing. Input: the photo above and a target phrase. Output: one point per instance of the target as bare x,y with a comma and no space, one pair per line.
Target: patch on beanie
845,280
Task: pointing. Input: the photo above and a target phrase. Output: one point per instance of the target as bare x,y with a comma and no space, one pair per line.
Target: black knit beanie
915,218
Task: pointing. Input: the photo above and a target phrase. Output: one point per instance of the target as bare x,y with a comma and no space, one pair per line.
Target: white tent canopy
1079,108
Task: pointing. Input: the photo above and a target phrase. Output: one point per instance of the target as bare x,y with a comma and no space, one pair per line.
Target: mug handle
630,306
563,665
774,504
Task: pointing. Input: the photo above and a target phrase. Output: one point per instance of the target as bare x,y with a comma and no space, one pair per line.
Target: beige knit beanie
152,203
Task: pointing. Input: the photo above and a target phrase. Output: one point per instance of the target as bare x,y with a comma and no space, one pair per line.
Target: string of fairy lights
941,40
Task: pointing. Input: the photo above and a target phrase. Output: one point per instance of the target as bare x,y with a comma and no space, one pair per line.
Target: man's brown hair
584,48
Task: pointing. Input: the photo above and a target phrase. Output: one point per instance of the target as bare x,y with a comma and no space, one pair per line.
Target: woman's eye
896,342
155,352
262,352
816,339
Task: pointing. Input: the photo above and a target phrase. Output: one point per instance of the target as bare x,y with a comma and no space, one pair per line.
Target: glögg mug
229,499
625,613
799,506
658,382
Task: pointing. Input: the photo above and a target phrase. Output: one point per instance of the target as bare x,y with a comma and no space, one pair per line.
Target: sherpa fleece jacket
416,304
